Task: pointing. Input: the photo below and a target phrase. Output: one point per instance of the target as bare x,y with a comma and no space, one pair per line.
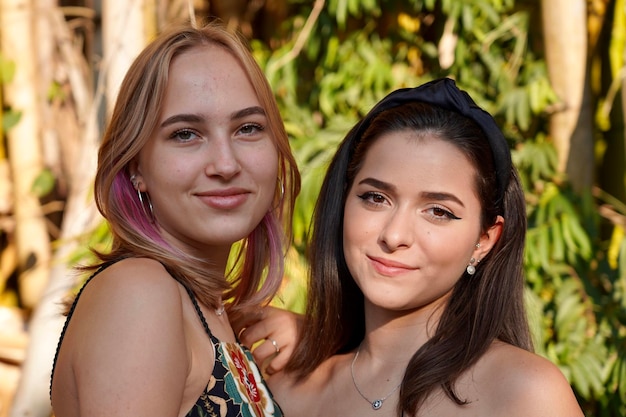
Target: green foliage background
359,50
328,70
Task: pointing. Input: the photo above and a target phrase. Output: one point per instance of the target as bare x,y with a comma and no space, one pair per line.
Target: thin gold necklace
378,403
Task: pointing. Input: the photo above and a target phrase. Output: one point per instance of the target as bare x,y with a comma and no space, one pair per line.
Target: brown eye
439,212
373,198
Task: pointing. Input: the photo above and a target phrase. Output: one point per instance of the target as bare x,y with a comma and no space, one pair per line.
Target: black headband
445,94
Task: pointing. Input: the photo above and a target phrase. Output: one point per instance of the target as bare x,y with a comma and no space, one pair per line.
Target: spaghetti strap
237,387
71,312
198,310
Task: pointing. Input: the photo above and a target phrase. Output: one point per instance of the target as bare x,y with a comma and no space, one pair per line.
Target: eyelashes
378,200
246,130
184,135
373,198
442,212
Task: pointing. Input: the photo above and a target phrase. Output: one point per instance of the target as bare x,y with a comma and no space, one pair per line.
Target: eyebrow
189,118
440,196
385,186
429,195
248,111
196,118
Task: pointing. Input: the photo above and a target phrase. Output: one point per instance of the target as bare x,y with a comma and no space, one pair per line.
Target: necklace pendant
377,404
220,310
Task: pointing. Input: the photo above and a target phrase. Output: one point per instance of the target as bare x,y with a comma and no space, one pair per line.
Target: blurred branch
301,39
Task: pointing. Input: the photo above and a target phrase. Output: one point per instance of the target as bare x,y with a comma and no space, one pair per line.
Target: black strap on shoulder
71,311
100,269
192,296
197,307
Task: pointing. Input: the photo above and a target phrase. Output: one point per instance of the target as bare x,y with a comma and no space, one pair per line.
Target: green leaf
7,70
44,183
10,118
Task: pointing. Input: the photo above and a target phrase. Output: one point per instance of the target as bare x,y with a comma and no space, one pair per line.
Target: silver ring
241,332
275,344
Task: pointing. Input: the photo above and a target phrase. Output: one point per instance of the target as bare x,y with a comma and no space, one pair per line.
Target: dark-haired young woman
415,304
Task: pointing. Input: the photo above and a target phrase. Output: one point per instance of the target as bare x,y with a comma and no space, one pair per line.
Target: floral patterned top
236,387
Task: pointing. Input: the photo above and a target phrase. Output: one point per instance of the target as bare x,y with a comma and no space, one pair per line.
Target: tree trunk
77,115
612,168
123,39
124,36
571,127
25,151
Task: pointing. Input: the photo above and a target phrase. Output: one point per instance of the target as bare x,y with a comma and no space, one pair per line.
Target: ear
136,178
489,238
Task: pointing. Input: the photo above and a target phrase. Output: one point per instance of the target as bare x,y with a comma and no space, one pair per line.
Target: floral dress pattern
236,388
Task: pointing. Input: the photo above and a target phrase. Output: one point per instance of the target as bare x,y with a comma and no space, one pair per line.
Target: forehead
209,75
419,161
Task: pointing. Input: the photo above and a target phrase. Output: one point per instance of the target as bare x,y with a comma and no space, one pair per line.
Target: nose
398,230
223,159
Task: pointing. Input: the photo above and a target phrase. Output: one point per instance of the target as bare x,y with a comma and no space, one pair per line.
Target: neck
392,336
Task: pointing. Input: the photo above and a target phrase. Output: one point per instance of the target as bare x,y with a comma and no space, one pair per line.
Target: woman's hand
271,333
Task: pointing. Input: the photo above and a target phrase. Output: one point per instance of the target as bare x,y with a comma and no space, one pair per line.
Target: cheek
173,173
160,166
261,160
359,230
262,167
446,250
267,170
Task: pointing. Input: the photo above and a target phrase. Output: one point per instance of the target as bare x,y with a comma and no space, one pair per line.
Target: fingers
266,353
241,321
274,344
272,337
277,362
255,332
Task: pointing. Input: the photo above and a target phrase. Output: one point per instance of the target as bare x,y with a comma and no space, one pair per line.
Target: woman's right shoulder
127,320
132,283
136,275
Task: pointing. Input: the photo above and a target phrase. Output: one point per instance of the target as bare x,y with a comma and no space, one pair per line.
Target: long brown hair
258,270
483,307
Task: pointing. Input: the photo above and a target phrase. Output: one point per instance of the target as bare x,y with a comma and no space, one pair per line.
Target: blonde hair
258,269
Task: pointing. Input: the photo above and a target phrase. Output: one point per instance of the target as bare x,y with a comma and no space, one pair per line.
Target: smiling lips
226,199
390,268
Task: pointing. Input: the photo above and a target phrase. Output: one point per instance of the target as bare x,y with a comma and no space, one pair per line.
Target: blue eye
251,128
184,135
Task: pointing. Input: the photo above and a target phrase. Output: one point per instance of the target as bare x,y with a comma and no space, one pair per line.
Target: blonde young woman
194,159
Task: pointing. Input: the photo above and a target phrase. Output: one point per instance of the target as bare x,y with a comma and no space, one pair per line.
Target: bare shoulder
135,281
131,295
520,383
133,273
303,397
127,320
